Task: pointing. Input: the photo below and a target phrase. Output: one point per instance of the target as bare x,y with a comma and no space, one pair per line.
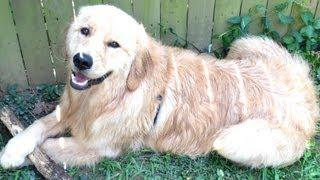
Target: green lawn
33,103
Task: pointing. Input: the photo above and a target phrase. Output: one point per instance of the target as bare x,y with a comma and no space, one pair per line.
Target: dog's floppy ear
140,67
142,64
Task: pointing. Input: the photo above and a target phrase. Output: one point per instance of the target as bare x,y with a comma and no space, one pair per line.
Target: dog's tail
275,56
289,69
257,47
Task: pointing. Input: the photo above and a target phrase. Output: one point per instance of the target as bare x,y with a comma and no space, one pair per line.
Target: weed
300,38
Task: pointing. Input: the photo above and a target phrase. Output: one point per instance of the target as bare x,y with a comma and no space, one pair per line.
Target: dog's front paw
10,160
15,152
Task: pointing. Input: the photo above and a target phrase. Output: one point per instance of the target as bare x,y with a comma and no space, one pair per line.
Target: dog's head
104,41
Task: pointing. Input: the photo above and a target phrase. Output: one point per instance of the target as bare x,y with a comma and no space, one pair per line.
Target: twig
46,166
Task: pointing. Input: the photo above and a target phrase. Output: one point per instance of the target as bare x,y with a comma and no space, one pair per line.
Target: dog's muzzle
79,81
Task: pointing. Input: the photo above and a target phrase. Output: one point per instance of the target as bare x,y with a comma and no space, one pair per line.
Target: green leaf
236,33
258,9
293,47
288,39
234,20
226,41
282,6
297,36
307,17
261,9
285,19
266,23
275,35
308,45
307,31
245,20
316,24
313,40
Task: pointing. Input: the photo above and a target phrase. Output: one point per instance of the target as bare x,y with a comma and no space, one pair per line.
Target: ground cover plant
304,39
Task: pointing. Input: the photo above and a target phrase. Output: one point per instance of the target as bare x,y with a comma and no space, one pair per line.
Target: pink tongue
80,77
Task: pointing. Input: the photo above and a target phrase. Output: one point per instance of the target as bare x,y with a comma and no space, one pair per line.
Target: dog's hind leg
258,143
69,151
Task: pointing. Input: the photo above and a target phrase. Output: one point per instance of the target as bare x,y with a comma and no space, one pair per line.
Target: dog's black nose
82,61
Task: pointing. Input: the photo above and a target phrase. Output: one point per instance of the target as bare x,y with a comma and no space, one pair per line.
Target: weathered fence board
39,31
79,3
93,2
200,23
317,14
256,24
224,9
148,13
312,5
11,68
33,40
57,20
125,5
174,22
295,12
275,23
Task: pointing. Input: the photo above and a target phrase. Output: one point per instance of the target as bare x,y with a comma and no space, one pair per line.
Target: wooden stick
46,166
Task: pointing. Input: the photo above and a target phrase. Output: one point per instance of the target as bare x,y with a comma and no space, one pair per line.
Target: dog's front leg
15,152
70,151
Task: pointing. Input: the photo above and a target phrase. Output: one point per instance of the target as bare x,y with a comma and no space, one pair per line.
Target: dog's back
258,107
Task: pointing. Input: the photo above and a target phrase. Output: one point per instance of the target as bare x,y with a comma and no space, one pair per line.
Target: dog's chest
129,118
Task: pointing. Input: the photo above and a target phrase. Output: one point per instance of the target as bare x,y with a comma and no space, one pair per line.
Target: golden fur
257,107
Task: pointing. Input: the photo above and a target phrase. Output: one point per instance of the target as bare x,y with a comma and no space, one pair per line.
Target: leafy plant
307,37
300,38
50,92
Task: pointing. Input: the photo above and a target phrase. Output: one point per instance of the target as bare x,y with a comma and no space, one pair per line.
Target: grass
144,164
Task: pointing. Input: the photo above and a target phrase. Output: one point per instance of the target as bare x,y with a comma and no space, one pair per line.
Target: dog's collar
100,79
159,98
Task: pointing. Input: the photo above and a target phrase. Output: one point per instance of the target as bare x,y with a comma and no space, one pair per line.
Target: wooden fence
33,31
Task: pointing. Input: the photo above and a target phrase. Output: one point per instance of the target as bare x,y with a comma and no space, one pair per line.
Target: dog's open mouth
79,81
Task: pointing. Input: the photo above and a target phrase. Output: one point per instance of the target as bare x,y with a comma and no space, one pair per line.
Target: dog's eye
85,31
113,44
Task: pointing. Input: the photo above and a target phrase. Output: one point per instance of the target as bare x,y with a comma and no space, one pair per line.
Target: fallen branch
46,166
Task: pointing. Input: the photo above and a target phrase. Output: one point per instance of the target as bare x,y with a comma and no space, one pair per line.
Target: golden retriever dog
258,107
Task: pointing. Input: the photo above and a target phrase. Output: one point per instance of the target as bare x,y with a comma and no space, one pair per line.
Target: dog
257,107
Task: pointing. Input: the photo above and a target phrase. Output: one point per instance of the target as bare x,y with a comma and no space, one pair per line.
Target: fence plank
256,24
200,23
94,2
174,19
79,3
125,5
296,9
148,13
11,68
317,13
275,23
57,19
224,9
33,40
